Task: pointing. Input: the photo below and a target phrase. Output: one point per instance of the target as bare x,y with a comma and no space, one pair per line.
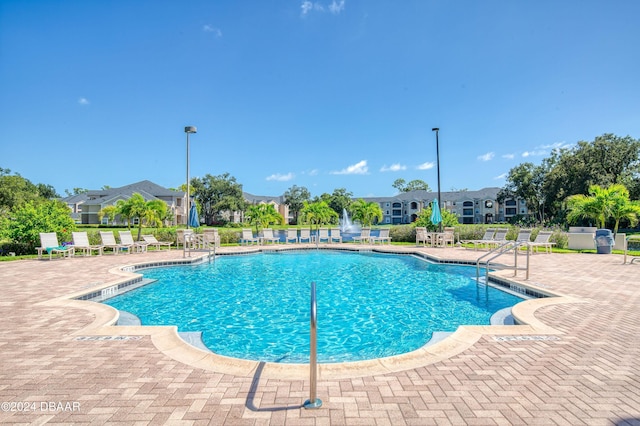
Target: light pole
187,130
436,129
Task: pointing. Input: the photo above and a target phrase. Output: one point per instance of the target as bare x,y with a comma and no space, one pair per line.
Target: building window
467,212
397,205
397,212
414,205
510,211
467,204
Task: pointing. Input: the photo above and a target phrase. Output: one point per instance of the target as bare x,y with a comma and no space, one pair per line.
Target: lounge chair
109,242
292,234
153,242
336,235
365,236
210,237
127,239
542,240
49,243
81,242
323,234
248,238
383,237
484,241
267,237
446,238
305,234
499,238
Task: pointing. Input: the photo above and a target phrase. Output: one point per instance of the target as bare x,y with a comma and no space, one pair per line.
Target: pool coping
167,340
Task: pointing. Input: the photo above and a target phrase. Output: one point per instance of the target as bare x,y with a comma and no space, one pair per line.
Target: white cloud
509,156
359,168
534,153
83,101
426,166
313,172
393,168
558,145
308,6
336,7
502,176
281,178
486,157
211,29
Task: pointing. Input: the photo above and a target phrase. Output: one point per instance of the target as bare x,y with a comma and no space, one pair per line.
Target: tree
318,214
217,195
601,204
622,208
261,215
414,185
424,219
147,212
75,191
526,181
340,200
110,212
295,197
30,218
15,191
366,212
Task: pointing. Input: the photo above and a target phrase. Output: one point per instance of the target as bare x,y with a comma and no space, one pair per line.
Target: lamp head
435,129
190,129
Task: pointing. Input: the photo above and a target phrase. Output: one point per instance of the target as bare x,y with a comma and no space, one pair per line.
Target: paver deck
55,369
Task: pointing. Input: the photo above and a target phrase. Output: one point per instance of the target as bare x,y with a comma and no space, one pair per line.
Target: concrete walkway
576,362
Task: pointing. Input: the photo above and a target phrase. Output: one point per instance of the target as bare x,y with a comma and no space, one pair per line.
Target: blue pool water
369,305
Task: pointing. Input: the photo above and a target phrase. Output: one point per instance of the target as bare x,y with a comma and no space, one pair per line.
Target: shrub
19,249
228,236
28,220
403,233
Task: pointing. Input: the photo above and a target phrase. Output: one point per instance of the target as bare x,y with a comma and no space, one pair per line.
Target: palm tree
365,212
263,214
150,212
602,204
623,208
318,213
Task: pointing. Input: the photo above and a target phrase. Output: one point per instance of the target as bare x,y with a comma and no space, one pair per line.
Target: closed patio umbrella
436,217
194,220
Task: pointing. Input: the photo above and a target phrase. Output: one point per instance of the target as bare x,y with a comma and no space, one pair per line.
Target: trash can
604,241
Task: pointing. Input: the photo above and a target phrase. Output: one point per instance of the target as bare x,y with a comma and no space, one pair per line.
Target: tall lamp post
187,130
436,129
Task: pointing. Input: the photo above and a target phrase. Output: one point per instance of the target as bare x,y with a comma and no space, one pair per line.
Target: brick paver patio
589,373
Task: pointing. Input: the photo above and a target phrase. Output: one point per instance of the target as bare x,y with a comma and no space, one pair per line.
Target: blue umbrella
194,221
436,217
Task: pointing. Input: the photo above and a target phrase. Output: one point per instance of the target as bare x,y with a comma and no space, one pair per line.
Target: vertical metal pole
188,199
313,401
436,129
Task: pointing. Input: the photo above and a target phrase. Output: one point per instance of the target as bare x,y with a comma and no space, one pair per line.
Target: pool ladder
313,401
499,251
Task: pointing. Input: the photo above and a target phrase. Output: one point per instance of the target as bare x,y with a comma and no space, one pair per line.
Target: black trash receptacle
604,241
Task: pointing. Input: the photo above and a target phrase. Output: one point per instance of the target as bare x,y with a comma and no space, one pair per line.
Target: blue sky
326,94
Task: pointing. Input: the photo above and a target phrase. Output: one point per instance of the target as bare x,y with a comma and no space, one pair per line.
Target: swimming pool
370,305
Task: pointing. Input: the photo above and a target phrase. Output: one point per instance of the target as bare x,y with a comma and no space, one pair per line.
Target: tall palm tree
602,204
150,212
261,215
623,208
365,212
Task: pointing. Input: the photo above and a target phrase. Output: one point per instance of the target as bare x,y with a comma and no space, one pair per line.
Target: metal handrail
626,248
313,401
499,251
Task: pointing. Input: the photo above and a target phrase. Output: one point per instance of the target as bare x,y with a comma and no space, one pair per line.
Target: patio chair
383,237
422,236
292,234
336,235
109,242
248,238
499,238
447,237
365,236
81,242
542,240
183,236
210,237
484,240
49,243
267,237
127,239
153,242
323,234
305,234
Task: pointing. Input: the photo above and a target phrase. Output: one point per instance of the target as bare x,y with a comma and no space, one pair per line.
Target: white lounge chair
153,242
542,240
499,238
484,240
422,236
383,237
305,234
365,236
81,242
127,239
183,236
336,235
446,238
248,238
323,234
292,234
267,237
210,237
49,243
109,242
